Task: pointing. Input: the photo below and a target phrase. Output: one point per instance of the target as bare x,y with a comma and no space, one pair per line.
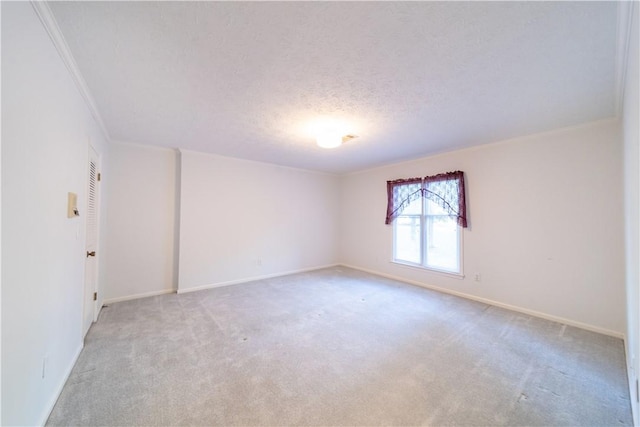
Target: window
427,216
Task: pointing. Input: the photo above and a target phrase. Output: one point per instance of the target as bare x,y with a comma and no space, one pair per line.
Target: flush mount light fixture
329,139
330,132
333,139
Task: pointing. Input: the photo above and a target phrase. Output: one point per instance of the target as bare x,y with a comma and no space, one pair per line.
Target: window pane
434,209
407,239
414,208
442,243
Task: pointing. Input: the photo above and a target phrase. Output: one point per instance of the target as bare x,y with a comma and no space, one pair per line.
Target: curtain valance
445,189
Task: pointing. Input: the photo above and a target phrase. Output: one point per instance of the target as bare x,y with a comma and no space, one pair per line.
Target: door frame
93,304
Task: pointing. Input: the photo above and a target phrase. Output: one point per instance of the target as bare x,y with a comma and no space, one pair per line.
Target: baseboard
252,279
56,395
632,381
138,296
522,310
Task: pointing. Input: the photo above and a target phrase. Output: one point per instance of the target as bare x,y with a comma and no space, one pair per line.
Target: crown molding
625,15
49,22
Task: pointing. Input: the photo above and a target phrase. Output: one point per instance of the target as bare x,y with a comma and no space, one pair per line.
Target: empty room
320,213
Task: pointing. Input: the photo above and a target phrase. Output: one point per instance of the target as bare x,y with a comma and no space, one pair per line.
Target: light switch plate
72,205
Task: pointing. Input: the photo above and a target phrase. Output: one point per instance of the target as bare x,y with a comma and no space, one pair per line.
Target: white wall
142,230
46,127
241,220
632,207
545,224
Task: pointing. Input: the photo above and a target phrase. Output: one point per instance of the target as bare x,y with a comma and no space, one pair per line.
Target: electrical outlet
478,278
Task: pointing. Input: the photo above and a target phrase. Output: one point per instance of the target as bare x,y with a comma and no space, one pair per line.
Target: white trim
139,145
56,395
99,194
49,23
252,279
534,313
428,269
1,240
213,285
138,296
631,378
472,148
625,13
423,244
220,156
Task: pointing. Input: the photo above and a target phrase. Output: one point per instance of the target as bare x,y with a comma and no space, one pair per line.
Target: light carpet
338,347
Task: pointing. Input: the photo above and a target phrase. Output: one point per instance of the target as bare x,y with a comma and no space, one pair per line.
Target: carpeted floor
339,347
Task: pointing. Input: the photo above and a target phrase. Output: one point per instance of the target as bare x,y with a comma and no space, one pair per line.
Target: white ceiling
249,79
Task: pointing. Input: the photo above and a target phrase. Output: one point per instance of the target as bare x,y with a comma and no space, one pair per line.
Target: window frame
423,245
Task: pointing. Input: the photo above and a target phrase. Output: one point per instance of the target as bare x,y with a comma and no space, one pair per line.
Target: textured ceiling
252,79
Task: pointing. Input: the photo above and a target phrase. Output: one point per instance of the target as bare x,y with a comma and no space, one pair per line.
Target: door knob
92,253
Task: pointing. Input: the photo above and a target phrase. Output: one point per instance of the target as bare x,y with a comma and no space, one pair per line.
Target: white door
91,219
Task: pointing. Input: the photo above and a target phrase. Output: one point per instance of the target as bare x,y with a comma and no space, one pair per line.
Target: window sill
458,276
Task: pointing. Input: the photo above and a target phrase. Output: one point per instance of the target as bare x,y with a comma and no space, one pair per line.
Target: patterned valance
445,189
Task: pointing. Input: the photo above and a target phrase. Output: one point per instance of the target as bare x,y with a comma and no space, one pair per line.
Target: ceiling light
329,140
